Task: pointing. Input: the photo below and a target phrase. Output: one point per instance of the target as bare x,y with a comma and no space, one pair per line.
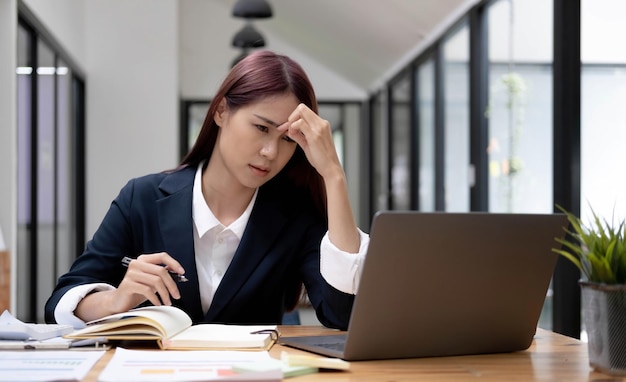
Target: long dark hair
262,74
259,75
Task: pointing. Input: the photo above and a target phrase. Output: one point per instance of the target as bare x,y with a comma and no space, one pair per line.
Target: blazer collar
176,224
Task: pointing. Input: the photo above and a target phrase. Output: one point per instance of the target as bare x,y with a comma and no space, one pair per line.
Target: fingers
314,136
306,122
148,276
162,258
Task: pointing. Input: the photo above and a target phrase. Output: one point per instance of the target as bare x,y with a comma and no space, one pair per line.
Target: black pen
177,277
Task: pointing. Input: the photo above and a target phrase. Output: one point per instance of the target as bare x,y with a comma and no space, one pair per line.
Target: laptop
444,284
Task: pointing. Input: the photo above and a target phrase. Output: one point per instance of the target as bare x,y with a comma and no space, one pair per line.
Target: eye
286,138
261,128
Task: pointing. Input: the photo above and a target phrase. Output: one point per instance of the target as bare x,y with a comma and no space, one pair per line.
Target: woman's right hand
147,278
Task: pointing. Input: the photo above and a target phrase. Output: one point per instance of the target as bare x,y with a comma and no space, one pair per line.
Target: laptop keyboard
332,345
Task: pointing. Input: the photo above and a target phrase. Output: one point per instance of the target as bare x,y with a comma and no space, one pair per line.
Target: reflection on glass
456,117
426,122
401,144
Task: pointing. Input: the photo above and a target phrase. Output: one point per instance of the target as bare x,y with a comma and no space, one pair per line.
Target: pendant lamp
248,37
252,9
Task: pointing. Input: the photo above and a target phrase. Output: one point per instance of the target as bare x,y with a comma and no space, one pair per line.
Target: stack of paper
182,365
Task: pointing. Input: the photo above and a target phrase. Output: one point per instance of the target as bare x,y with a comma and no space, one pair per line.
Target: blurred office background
455,105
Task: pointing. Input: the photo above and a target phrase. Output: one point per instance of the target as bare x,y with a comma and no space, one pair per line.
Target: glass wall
456,120
379,152
401,143
45,155
520,106
603,116
50,170
425,95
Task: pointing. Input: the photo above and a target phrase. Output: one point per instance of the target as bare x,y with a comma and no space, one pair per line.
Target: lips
259,170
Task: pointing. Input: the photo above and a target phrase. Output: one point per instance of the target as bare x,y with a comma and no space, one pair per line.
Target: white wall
8,129
66,19
131,57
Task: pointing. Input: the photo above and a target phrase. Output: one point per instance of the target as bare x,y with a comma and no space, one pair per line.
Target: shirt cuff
342,269
64,311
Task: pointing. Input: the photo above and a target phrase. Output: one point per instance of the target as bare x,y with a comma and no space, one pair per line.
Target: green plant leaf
598,249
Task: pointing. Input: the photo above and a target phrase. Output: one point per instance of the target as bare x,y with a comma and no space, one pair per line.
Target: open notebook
439,284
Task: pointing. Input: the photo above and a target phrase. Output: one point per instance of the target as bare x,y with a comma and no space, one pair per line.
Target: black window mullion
566,117
372,122
389,128
479,85
78,134
415,137
33,231
439,130
55,170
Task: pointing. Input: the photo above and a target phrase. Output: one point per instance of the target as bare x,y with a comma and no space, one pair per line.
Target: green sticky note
273,364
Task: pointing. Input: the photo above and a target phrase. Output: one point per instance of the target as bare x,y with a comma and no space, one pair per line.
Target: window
379,151
400,130
603,117
50,212
425,89
456,120
520,106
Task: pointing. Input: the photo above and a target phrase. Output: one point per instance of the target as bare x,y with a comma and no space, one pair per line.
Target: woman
256,210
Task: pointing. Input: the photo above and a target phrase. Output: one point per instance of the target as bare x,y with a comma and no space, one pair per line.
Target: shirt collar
203,217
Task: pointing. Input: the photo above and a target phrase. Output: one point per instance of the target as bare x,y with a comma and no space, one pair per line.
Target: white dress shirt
215,246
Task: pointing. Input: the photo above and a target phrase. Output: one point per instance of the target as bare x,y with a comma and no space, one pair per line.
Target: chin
256,182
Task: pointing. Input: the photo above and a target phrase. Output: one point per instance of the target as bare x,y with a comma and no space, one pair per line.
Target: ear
221,113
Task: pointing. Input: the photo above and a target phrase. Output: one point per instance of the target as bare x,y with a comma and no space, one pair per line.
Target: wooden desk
551,357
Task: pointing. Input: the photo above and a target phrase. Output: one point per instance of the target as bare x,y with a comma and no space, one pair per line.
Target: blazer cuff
342,269
64,311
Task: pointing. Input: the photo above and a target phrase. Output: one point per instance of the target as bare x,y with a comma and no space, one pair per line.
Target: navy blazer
280,248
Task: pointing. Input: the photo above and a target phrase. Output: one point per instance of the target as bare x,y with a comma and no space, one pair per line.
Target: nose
269,149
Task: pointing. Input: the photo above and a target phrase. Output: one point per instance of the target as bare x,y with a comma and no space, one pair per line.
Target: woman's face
252,141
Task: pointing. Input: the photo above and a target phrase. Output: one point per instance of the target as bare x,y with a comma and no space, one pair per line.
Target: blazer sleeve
100,262
332,306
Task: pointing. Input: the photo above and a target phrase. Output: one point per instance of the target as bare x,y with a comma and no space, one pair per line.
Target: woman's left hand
314,135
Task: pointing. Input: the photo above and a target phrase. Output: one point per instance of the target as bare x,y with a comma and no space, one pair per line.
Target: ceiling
363,41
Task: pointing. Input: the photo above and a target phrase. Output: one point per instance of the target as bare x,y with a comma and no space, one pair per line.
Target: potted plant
598,249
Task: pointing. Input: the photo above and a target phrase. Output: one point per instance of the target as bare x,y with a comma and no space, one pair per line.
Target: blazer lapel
264,225
176,224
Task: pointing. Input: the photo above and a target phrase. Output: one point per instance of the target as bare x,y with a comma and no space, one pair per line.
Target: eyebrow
268,121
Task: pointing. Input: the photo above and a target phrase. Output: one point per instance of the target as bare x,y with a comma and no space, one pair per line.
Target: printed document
46,365
185,365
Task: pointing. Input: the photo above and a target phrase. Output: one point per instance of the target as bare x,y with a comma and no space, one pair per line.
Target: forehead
278,103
